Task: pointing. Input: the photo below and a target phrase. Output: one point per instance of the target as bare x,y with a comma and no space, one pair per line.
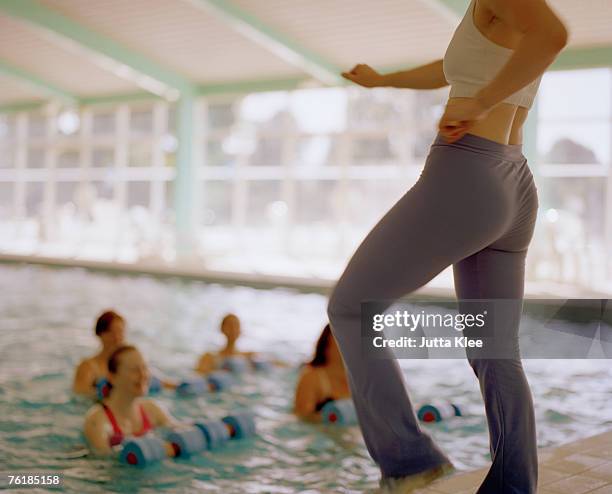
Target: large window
307,172
89,184
574,134
290,182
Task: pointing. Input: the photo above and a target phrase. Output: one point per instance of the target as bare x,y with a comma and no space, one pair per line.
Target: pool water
46,321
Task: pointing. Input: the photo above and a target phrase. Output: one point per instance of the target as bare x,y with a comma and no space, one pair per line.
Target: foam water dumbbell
184,442
220,380
215,381
155,385
143,451
215,433
191,387
261,365
242,425
436,412
188,441
235,364
103,388
341,412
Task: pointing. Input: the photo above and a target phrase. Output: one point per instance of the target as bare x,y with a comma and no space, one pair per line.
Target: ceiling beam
255,86
103,51
43,88
18,106
115,98
273,41
583,58
569,59
457,6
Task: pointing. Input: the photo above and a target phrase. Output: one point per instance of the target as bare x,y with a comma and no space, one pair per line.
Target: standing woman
474,206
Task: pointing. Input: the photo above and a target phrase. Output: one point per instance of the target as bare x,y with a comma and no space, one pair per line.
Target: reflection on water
46,320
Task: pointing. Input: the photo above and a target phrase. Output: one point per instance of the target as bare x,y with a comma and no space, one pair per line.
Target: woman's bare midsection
500,124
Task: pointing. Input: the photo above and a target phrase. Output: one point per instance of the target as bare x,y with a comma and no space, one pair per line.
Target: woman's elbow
560,37
552,40
302,407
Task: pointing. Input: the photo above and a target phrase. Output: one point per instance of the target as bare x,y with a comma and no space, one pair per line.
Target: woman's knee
334,307
341,304
503,368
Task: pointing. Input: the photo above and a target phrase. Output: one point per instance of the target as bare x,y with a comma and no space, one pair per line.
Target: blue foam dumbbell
215,433
191,387
239,425
215,381
220,380
103,388
155,385
438,412
236,364
261,365
242,424
341,412
187,441
143,451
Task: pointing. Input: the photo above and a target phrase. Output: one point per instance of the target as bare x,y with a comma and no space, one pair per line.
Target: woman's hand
459,117
364,75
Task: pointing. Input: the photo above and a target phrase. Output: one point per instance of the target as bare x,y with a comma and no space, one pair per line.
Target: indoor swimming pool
46,328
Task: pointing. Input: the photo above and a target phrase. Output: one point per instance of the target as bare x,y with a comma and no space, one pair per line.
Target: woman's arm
95,431
84,379
206,364
429,76
306,397
544,36
159,416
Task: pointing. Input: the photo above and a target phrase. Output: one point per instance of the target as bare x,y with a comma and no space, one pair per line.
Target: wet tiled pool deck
574,468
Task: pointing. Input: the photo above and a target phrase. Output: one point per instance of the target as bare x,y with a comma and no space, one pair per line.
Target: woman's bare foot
406,485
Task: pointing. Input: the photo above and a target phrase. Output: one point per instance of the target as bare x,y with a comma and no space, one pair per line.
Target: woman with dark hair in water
125,412
323,379
110,329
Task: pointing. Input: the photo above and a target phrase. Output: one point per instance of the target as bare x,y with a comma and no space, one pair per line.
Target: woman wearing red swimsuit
124,412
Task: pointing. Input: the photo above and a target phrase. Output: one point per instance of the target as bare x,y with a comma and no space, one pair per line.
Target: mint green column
185,180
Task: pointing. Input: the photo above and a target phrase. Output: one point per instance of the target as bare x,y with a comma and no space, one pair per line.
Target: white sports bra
472,61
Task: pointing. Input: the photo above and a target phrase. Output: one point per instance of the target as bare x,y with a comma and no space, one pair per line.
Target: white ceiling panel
187,38
345,32
179,36
33,51
589,21
12,91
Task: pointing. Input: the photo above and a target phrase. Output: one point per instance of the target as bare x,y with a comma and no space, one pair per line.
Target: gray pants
474,206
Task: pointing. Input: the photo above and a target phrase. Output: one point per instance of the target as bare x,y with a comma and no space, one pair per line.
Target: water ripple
173,321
